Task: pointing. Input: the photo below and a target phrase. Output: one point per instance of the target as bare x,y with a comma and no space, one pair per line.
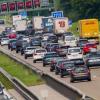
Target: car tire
71,81
25,57
61,76
51,70
8,47
21,53
89,79
44,64
11,49
34,61
16,51
56,72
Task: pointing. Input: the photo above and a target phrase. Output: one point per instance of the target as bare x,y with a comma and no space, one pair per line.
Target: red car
88,47
12,35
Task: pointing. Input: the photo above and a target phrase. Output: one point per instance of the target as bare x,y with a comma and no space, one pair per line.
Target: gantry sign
28,5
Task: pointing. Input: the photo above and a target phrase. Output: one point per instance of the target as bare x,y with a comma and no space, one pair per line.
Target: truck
16,18
37,23
47,23
21,25
60,25
89,29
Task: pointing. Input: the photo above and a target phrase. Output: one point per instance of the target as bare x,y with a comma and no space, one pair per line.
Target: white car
70,41
29,52
4,41
74,53
38,54
26,39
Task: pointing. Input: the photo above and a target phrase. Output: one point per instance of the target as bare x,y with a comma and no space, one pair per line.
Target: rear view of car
4,41
88,47
29,52
80,73
74,53
38,54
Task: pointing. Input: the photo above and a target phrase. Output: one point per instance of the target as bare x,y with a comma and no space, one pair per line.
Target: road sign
23,14
57,14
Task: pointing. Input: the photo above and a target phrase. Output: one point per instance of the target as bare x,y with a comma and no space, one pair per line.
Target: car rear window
74,50
80,69
68,65
40,51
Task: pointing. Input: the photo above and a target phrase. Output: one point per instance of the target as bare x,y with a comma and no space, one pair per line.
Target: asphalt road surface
91,89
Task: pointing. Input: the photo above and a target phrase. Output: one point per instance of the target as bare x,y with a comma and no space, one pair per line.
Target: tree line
80,9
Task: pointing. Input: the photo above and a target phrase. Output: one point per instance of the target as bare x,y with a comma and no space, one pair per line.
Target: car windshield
5,39
40,51
51,55
78,61
90,45
52,37
70,38
80,69
74,50
66,65
30,48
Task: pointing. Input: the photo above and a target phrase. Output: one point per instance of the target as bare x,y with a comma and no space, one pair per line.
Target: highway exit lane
91,89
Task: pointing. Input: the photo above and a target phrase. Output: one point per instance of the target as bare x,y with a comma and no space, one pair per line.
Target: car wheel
16,51
61,76
56,72
44,64
72,81
21,53
8,47
89,79
25,57
51,70
11,49
34,61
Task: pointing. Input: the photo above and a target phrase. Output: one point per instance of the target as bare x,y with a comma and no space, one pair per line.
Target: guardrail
65,89
20,87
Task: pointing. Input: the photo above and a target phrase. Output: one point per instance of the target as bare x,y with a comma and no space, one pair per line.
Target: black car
65,68
20,44
11,42
48,57
93,59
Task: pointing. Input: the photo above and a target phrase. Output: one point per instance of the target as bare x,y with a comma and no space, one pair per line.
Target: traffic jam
49,40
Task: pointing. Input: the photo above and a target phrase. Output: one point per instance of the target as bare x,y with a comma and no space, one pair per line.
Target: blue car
48,58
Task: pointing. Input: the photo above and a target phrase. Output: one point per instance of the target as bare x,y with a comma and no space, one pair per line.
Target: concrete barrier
19,86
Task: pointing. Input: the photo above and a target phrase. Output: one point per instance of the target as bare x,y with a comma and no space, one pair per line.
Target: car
74,53
35,42
62,51
52,39
54,62
4,41
10,43
70,41
51,47
20,44
29,52
48,57
82,42
39,54
80,73
93,59
44,43
65,68
88,47
13,46
78,61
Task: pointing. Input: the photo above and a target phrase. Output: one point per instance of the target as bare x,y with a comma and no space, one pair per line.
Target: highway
91,89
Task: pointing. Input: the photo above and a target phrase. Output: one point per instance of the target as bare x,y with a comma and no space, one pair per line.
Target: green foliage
21,72
79,9
5,82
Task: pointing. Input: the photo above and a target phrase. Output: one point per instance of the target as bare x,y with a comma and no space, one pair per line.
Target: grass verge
27,76
7,84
